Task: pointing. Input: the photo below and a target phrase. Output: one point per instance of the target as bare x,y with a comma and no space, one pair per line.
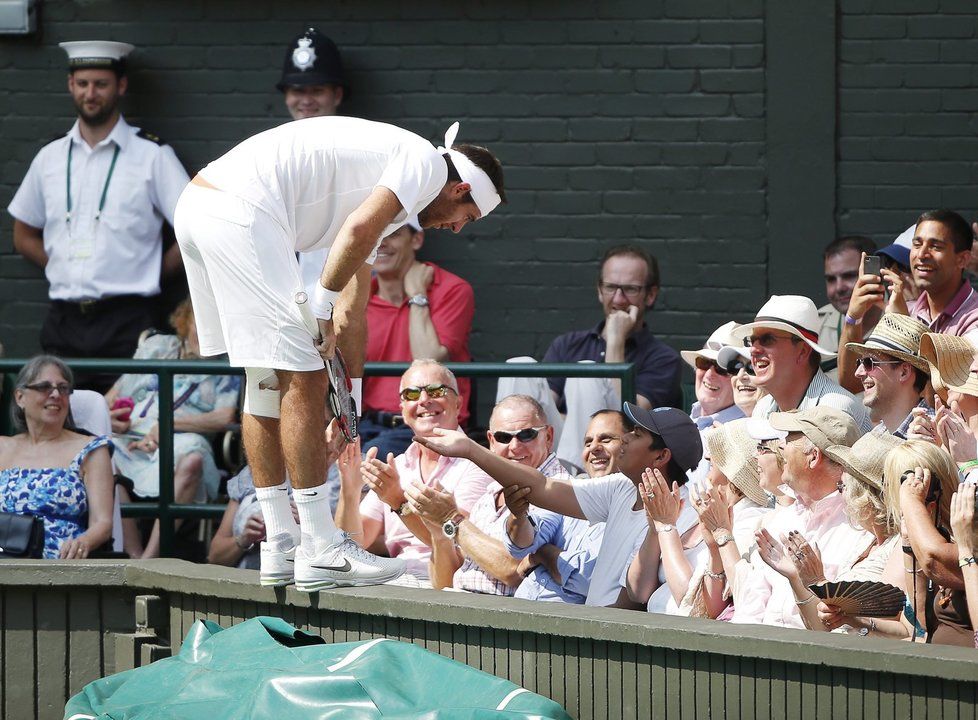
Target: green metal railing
168,512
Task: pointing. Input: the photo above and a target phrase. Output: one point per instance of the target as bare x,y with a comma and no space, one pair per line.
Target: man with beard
324,182
90,211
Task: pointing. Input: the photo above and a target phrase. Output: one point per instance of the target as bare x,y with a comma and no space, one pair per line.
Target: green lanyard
105,188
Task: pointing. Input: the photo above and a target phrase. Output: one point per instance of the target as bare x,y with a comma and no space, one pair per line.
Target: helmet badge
304,55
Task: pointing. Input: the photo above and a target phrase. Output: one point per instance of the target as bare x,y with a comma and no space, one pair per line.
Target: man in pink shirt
416,310
761,594
382,522
939,254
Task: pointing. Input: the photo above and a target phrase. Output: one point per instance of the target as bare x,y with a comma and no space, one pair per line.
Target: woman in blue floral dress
202,405
52,472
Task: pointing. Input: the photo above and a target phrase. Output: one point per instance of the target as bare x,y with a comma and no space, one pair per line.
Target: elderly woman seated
202,405
50,471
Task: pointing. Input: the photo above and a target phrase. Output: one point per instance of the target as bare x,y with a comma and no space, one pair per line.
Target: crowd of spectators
824,445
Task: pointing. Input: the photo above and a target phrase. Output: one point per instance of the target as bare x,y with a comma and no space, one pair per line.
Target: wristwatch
723,539
403,509
450,527
419,300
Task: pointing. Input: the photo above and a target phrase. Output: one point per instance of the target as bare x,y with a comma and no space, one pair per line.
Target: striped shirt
822,391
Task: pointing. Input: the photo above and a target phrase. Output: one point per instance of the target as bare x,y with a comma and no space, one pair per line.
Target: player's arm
350,320
29,242
358,236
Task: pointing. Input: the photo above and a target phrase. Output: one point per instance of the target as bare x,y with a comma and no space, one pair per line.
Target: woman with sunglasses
50,471
920,480
736,362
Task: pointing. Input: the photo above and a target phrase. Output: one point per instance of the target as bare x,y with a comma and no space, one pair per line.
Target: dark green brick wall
661,122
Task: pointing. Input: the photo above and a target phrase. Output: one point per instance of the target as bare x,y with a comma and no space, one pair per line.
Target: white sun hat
793,314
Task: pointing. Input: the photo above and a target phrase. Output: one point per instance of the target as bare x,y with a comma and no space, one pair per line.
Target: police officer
313,81
90,211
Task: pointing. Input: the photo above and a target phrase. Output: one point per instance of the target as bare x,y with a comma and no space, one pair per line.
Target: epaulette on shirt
147,135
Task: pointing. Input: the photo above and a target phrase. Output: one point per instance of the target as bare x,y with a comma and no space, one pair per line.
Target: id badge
81,245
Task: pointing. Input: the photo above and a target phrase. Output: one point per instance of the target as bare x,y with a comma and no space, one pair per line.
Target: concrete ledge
464,609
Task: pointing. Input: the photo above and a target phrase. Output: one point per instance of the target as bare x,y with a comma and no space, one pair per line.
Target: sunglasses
768,339
46,387
524,436
868,363
434,391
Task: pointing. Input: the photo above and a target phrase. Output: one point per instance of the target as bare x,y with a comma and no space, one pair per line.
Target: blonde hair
866,506
920,453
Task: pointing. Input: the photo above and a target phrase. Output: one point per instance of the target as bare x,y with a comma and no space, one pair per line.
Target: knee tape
261,392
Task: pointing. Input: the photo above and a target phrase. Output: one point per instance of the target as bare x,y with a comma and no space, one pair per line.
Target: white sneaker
341,564
277,561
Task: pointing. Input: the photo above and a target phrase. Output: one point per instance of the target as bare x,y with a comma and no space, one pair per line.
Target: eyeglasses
869,362
627,290
434,391
768,339
524,436
766,447
46,387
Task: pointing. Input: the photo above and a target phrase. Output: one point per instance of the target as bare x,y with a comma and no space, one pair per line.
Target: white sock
315,519
276,510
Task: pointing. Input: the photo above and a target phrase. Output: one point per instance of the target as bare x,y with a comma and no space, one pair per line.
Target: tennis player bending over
330,182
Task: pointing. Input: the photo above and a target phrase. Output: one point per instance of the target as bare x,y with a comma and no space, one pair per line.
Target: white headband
482,190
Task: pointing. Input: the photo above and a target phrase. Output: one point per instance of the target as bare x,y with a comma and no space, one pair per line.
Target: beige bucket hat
864,460
824,426
731,449
896,335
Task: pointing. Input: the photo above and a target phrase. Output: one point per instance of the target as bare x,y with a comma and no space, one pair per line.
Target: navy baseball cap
676,428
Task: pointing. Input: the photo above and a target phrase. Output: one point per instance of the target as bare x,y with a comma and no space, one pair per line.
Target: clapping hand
432,502
806,558
661,504
954,432
774,554
383,479
963,519
922,426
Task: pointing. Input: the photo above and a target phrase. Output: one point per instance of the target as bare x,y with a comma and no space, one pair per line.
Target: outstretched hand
450,443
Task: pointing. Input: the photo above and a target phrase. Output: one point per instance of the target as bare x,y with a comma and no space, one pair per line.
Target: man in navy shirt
628,284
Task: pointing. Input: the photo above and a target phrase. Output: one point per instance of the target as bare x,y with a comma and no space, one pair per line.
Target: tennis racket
339,395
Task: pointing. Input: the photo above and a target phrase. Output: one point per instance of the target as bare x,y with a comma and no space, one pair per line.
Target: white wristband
357,394
323,301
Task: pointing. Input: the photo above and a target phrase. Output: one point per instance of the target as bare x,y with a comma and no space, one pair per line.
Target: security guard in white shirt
90,211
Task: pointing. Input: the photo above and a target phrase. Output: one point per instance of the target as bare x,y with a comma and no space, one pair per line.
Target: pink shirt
958,318
763,596
465,480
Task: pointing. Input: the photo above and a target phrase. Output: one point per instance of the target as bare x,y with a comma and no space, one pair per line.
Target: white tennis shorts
244,278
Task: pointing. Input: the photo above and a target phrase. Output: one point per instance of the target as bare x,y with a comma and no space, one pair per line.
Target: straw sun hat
864,460
950,358
896,335
731,449
794,314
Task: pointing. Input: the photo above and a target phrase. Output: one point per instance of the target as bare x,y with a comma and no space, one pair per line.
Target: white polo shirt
310,175
119,253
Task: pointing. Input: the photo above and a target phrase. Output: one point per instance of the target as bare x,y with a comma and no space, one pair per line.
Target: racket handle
308,319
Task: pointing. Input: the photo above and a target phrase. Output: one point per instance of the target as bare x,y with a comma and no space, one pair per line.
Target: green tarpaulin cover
265,668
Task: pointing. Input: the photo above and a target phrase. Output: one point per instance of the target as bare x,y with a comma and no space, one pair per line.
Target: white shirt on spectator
121,252
610,500
311,174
